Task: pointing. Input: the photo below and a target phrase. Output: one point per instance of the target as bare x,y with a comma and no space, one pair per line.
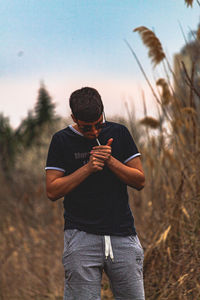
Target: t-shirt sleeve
129,148
55,157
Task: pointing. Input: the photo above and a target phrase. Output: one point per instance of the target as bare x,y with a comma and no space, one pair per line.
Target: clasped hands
100,155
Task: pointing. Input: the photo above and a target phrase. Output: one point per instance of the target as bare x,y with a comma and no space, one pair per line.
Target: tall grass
169,204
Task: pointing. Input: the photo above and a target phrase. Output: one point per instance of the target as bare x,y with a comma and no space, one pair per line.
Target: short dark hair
86,104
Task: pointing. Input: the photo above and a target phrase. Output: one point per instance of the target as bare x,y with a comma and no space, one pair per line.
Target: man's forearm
61,186
131,176
58,185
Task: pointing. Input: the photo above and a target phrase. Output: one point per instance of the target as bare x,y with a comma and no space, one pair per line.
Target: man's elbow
51,196
140,187
141,184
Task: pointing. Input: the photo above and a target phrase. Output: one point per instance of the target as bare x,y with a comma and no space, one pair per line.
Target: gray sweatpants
84,260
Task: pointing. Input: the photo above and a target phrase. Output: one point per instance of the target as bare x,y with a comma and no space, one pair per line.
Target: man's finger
101,150
101,157
109,142
105,149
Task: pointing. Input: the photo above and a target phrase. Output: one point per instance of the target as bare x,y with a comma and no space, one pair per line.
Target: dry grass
170,203
167,211
167,215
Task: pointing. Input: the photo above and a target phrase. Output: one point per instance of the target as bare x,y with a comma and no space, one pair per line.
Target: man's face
90,130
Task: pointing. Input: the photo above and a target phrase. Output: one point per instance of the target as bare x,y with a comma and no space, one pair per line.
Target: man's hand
103,152
95,164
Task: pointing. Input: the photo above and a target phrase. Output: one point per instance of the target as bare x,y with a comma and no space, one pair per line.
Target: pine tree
43,113
44,108
27,130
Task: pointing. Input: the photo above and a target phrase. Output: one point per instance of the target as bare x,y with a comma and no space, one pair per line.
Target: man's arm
58,185
131,173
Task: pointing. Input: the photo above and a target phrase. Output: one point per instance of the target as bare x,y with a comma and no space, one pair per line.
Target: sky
69,44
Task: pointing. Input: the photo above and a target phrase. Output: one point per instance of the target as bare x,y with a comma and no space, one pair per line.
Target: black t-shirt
99,204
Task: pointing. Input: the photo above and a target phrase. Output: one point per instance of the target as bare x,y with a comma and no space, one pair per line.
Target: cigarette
98,142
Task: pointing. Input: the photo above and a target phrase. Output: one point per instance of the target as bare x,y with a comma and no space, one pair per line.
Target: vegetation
169,205
167,210
190,2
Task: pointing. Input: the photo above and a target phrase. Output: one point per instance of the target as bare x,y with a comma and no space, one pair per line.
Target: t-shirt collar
76,131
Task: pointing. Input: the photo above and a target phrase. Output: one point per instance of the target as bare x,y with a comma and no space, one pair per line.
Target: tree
43,113
26,132
44,108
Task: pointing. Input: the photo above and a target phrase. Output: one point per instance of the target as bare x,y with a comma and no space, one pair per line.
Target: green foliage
44,108
8,146
27,130
15,142
42,115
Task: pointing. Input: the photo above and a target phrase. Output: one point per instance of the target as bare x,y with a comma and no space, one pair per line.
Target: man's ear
73,118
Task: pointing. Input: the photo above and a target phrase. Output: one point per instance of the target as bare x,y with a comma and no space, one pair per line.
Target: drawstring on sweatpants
108,247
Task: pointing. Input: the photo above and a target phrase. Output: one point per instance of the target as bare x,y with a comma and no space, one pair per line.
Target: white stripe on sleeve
131,157
55,168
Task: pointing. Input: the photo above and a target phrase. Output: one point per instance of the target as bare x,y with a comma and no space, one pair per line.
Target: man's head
86,104
87,111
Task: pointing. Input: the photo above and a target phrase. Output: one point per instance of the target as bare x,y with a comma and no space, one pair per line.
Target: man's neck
75,126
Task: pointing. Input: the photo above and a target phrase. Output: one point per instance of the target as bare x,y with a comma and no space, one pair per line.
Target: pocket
134,239
68,235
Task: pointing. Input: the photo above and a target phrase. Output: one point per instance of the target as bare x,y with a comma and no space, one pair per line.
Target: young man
91,163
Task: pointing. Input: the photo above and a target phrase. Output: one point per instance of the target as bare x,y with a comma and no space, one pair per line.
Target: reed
170,203
150,40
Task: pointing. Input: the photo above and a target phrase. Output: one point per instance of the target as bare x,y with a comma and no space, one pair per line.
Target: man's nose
94,130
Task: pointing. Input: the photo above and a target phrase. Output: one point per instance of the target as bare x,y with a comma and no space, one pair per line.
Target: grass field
166,211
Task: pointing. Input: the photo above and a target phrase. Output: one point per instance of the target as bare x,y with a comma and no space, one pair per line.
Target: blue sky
73,43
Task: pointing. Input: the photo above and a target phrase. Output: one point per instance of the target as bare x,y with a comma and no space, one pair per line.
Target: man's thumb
109,142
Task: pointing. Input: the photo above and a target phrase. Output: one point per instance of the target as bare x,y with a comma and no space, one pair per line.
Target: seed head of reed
189,2
150,122
166,94
150,40
189,110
